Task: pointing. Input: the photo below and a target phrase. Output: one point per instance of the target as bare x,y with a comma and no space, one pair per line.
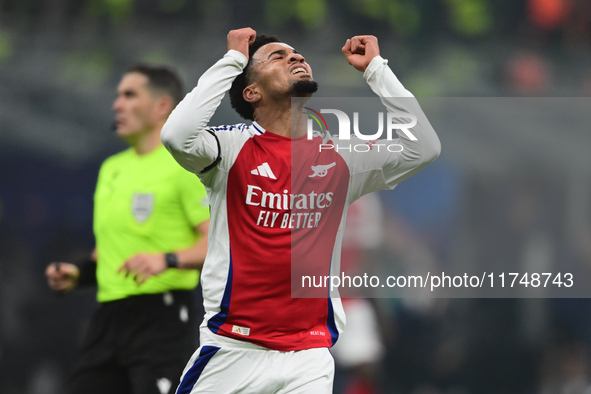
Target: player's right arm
185,133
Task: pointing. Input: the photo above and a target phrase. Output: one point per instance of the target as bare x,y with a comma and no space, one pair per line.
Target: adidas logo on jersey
241,330
264,170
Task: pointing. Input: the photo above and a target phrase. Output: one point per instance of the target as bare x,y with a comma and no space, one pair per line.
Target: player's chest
277,173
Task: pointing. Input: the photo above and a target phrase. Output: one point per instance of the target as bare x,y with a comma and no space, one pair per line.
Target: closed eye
278,54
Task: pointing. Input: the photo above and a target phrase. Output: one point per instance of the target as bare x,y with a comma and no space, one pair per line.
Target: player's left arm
360,51
145,265
420,144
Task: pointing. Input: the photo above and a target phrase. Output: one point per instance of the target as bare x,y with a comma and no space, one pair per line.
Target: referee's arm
144,265
64,277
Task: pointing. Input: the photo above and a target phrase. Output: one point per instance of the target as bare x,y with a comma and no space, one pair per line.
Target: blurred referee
151,221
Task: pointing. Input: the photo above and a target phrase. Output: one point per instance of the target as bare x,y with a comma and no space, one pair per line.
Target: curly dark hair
243,107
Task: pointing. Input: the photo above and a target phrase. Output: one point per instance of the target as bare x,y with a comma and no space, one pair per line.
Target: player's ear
251,93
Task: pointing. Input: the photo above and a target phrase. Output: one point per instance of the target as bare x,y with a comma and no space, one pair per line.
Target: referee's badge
142,206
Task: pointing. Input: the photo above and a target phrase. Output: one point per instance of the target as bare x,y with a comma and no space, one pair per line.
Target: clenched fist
241,39
360,51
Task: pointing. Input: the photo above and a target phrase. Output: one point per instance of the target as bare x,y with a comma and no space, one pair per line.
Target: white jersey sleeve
380,168
186,134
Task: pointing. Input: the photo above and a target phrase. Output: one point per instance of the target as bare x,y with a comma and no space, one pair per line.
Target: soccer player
151,223
276,200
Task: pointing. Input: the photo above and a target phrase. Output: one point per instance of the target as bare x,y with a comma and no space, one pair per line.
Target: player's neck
277,119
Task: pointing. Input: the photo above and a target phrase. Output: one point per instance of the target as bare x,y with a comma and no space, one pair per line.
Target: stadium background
503,198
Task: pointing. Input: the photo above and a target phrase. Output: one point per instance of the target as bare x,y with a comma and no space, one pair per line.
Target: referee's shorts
137,345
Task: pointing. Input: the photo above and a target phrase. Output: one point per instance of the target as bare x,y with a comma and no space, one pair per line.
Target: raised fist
241,39
360,51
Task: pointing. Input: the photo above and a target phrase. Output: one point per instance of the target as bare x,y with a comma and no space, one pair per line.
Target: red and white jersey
278,202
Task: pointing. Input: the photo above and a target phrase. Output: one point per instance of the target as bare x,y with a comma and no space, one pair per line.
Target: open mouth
299,70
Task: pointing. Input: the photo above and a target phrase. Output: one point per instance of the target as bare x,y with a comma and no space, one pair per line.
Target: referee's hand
62,277
143,265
